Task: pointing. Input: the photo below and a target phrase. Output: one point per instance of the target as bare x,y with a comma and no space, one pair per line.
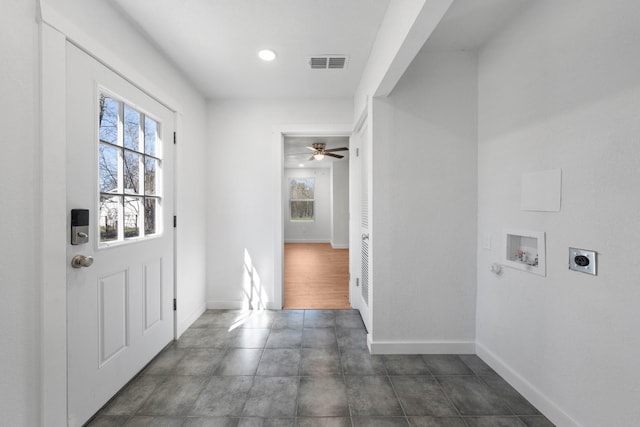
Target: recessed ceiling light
301,165
267,55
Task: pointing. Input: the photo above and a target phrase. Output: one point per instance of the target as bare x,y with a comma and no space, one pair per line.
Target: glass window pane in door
110,207
150,176
132,212
109,109
131,128
131,172
150,210
150,135
108,164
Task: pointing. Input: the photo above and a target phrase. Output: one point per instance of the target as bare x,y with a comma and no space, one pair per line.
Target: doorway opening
315,189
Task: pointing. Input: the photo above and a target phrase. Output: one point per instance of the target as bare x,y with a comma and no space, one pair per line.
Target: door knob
81,261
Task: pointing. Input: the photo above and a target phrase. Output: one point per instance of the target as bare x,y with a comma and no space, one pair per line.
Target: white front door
359,289
119,168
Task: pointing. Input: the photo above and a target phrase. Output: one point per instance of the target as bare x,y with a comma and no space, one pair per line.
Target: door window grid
130,173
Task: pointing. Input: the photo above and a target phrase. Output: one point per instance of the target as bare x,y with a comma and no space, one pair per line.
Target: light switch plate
582,260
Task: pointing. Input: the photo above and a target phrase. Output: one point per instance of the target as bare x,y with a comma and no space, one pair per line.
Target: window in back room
301,199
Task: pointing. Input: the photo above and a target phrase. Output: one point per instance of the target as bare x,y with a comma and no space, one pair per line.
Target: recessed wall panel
152,293
113,299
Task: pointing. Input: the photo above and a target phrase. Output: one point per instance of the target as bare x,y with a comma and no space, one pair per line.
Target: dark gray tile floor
308,368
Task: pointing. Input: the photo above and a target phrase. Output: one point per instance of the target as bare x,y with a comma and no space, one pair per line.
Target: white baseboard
545,405
237,305
307,241
188,321
333,245
421,347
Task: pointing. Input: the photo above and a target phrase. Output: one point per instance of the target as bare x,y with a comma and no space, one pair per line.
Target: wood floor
316,276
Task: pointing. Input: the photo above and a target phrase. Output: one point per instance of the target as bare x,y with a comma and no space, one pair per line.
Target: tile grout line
506,402
344,376
295,420
446,396
253,377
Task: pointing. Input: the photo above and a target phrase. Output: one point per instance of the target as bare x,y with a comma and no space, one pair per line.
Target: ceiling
469,24
215,42
296,152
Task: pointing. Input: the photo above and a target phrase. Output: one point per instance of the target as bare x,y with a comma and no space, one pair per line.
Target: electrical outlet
582,260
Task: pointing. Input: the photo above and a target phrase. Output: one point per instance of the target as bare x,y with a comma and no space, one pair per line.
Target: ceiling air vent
328,62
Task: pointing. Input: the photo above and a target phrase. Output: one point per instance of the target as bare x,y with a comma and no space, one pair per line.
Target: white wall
340,204
245,189
19,227
318,230
424,208
560,88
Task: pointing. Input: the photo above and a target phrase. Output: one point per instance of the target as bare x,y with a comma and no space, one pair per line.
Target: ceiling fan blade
337,156
311,158
336,149
311,148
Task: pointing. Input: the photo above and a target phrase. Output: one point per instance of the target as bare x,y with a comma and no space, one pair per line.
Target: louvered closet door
360,292
364,227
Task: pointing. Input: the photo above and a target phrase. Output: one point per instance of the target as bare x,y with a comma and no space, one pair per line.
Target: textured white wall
318,230
560,88
19,227
245,189
424,208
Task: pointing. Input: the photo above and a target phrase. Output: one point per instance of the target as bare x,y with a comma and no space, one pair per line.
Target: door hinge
175,137
175,304
357,150
175,221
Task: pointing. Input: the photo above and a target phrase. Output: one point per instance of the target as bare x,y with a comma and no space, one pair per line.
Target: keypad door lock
582,260
79,226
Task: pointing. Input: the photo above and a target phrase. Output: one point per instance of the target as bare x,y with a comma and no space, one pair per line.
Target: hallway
308,368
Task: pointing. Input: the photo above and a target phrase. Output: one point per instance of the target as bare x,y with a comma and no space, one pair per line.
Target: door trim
353,222
53,225
55,32
279,132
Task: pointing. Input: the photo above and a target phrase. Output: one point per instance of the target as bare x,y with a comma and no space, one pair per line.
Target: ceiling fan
320,150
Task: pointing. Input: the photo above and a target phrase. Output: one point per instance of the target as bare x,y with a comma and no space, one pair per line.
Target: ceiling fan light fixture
318,156
267,55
